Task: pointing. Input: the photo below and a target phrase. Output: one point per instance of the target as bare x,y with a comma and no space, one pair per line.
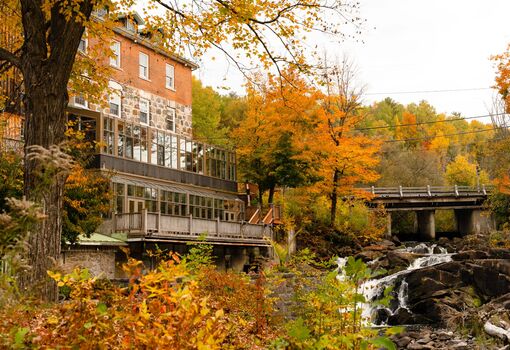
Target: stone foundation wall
98,262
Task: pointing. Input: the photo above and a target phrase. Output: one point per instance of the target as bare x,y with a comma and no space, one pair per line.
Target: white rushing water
374,289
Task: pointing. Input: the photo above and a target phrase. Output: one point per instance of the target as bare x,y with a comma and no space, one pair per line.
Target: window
169,78
144,65
80,101
119,197
170,119
140,148
115,98
130,25
83,44
164,149
108,134
115,104
115,59
201,207
173,203
144,111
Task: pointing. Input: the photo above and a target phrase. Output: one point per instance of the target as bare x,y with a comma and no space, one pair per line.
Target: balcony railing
160,226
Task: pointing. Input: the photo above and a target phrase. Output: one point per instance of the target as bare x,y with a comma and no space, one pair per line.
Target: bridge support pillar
473,221
426,224
388,225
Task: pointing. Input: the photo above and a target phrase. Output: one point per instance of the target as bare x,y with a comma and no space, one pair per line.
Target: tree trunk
45,125
261,196
51,41
334,197
271,194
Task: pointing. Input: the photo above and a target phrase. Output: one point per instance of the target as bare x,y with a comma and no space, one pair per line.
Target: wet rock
402,342
489,281
470,255
401,316
400,258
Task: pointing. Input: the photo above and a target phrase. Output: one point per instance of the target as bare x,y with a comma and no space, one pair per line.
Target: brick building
169,189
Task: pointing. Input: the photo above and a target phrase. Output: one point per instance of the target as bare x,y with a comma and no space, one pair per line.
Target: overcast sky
417,45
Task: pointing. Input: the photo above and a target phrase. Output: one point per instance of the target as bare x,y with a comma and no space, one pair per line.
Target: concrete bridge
467,203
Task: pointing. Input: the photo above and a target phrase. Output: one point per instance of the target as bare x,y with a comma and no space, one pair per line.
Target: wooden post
218,226
190,224
114,222
144,221
159,222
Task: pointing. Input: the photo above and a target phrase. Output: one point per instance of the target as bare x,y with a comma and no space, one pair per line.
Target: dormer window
130,25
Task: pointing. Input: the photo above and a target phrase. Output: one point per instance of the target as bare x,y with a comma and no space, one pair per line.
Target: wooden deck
155,226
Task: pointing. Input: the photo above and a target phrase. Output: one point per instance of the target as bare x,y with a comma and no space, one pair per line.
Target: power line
446,135
429,122
426,91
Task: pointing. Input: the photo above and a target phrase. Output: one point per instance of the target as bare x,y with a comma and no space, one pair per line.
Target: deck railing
145,224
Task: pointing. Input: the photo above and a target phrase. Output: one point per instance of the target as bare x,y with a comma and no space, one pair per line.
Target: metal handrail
430,191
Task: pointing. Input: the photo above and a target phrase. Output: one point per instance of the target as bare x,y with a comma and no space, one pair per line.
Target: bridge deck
429,197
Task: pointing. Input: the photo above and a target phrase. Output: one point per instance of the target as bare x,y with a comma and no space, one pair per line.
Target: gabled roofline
136,38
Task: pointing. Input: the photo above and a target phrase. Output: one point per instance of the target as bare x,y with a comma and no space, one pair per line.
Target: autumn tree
42,41
271,141
347,157
463,173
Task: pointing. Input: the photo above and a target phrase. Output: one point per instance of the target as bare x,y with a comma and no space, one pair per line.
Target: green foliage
463,173
207,114
17,223
200,254
329,312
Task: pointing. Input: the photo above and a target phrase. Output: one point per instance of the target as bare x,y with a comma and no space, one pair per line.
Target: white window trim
171,87
115,62
117,93
173,113
148,104
76,104
140,65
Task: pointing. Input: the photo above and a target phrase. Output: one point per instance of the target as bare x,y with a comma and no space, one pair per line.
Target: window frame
167,76
147,103
115,61
77,104
140,66
171,113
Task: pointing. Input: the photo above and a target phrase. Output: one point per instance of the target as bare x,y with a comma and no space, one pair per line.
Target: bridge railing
430,191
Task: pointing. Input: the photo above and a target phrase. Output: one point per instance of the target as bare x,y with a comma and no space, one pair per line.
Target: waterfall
373,289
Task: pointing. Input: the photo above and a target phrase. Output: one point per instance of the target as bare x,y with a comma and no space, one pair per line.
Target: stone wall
159,109
100,262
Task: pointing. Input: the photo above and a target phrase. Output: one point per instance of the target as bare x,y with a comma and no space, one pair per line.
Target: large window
108,135
186,152
147,194
201,207
125,140
144,111
140,143
144,65
115,59
173,203
164,149
119,197
169,76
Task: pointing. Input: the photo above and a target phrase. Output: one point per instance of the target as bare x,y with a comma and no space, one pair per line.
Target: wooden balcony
156,226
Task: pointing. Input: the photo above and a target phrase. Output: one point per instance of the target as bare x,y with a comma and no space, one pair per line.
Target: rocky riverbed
454,294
